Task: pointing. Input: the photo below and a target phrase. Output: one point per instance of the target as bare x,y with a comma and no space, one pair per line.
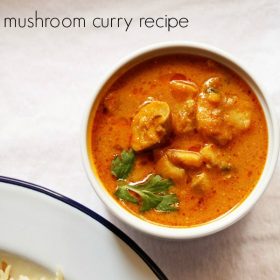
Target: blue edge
151,264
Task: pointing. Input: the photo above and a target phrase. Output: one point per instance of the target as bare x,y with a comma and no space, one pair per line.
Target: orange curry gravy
245,150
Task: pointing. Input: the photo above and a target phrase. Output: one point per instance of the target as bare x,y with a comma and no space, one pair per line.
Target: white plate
57,232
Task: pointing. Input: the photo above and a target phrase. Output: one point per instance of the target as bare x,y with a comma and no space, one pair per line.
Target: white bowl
273,142
56,232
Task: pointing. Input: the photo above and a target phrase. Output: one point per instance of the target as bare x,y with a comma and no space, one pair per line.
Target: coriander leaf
149,200
124,194
122,164
151,192
156,184
168,203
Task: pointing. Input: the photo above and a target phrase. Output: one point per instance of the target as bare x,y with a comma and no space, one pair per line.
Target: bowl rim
228,218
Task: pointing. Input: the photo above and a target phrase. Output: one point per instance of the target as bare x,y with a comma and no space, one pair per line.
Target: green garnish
122,164
152,193
168,203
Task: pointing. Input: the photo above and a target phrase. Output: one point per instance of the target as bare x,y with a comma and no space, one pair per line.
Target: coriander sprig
151,193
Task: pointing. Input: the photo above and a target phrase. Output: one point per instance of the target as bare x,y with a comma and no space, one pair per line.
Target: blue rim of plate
150,263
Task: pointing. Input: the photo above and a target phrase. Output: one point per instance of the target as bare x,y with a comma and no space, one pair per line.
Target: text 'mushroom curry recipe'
178,140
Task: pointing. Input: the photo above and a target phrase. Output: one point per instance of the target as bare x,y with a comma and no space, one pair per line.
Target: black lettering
169,25
52,24
79,22
128,23
149,22
21,22
69,22
157,22
10,22
30,22
141,19
183,22
107,24
38,19
93,22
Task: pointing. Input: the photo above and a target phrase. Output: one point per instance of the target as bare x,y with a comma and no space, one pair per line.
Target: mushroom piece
209,155
150,125
237,119
200,182
167,169
212,85
183,117
212,156
217,116
209,119
183,86
185,159
209,115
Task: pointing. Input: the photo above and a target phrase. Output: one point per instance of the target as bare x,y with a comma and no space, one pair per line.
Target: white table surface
47,78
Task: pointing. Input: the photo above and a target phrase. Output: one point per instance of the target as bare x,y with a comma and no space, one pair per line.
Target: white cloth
47,78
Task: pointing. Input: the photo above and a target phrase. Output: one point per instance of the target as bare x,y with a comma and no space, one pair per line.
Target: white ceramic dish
57,232
232,216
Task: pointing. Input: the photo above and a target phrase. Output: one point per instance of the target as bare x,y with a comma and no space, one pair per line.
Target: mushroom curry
178,140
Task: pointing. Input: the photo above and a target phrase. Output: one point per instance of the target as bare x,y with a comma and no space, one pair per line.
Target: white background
47,78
